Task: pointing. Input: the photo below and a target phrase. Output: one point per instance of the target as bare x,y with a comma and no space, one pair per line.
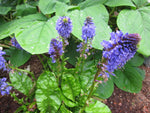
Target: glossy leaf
141,72
87,76
114,3
100,17
47,93
14,26
70,86
21,81
36,39
4,10
128,79
96,106
105,89
141,17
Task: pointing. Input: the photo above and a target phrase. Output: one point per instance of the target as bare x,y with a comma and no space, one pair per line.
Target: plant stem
42,62
91,90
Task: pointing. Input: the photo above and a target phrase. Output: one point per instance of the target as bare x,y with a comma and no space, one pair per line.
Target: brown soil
119,102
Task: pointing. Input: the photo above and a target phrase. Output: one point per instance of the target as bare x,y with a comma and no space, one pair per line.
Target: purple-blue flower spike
56,49
15,43
118,50
64,26
4,88
2,61
88,30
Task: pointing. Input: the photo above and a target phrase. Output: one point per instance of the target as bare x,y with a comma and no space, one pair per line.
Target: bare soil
119,102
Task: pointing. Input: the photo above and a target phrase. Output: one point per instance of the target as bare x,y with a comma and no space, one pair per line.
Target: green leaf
141,72
129,79
87,76
63,109
140,3
14,26
114,3
70,86
61,9
51,6
137,60
21,82
25,9
18,57
4,10
89,3
96,106
105,89
141,17
71,52
100,17
47,93
36,39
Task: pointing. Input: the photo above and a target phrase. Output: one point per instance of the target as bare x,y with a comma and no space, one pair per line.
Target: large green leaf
140,3
14,26
25,9
21,82
47,93
4,10
70,86
105,89
88,3
114,3
96,106
100,17
50,6
36,39
128,79
141,18
63,109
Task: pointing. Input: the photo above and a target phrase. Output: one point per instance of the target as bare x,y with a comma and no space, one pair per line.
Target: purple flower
56,49
2,61
64,26
15,43
118,50
88,30
4,88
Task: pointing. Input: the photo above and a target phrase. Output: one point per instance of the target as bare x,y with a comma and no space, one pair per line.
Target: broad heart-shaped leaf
128,79
140,3
114,3
137,60
137,21
70,86
87,76
14,26
96,106
89,3
21,81
36,39
18,56
49,6
100,17
4,10
105,89
25,9
47,94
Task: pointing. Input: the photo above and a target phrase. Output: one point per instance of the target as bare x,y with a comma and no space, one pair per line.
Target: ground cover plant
102,41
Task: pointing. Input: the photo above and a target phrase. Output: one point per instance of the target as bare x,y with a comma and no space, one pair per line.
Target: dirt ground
119,102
